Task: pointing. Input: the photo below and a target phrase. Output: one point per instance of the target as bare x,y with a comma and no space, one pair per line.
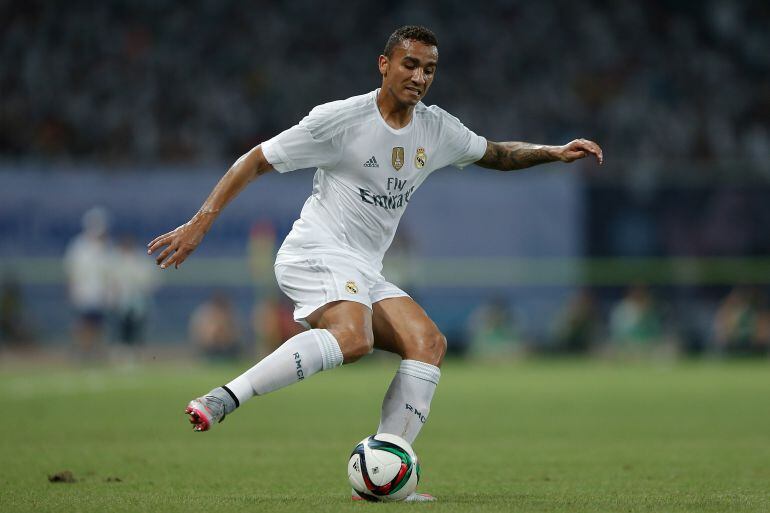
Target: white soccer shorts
315,280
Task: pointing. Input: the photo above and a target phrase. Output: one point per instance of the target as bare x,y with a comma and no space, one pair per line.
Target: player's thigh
350,323
401,326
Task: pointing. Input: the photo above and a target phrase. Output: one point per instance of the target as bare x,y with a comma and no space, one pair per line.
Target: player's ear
383,64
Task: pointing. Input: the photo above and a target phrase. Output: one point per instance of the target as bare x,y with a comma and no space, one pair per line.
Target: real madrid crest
420,158
351,287
398,158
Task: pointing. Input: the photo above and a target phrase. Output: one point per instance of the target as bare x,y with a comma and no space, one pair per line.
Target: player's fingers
173,259
152,249
182,254
599,153
158,242
590,149
593,148
158,239
575,155
589,145
163,255
176,260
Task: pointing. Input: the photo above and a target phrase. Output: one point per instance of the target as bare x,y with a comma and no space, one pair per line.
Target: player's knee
354,343
362,346
431,348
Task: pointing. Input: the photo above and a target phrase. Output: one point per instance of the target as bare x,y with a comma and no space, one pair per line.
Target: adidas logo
372,162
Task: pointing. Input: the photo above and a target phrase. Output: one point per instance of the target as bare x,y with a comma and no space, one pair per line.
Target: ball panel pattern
407,467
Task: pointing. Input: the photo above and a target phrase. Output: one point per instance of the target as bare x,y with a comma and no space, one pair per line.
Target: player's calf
296,360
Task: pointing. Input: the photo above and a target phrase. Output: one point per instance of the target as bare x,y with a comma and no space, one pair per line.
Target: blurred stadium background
138,107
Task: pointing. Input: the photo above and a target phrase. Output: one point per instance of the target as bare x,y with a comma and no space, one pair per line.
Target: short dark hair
409,33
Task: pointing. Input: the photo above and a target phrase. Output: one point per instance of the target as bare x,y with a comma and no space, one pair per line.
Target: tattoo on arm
507,156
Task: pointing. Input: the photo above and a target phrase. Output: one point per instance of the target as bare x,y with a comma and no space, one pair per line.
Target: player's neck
396,114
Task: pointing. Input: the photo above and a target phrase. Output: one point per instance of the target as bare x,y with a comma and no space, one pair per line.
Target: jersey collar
389,128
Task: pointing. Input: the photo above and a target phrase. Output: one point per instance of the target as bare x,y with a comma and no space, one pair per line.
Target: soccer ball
383,467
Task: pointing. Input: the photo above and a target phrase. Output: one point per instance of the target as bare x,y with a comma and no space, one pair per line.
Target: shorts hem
300,314
390,295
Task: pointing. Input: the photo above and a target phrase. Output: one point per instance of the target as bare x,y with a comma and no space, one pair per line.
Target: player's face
409,72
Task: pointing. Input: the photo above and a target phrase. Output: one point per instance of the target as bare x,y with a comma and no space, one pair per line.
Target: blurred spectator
273,322
14,330
262,247
742,323
214,328
492,331
646,79
272,316
133,281
87,262
579,325
636,322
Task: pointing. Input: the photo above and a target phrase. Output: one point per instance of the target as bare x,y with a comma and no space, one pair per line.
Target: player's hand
578,149
179,243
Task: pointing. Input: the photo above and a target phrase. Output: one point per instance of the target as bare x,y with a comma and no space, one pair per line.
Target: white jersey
367,172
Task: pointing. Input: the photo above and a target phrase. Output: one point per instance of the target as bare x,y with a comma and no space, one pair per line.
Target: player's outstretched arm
183,240
507,156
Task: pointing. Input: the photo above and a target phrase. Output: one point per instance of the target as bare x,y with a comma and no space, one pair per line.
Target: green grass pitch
558,436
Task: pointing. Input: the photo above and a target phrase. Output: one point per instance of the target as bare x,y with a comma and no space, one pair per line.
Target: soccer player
371,152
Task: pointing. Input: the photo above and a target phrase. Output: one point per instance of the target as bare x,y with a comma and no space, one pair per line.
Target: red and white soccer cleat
205,411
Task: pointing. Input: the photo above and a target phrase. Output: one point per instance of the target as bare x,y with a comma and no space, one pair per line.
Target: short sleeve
310,143
460,146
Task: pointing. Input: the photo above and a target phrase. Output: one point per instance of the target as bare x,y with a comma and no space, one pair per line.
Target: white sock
297,359
407,401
